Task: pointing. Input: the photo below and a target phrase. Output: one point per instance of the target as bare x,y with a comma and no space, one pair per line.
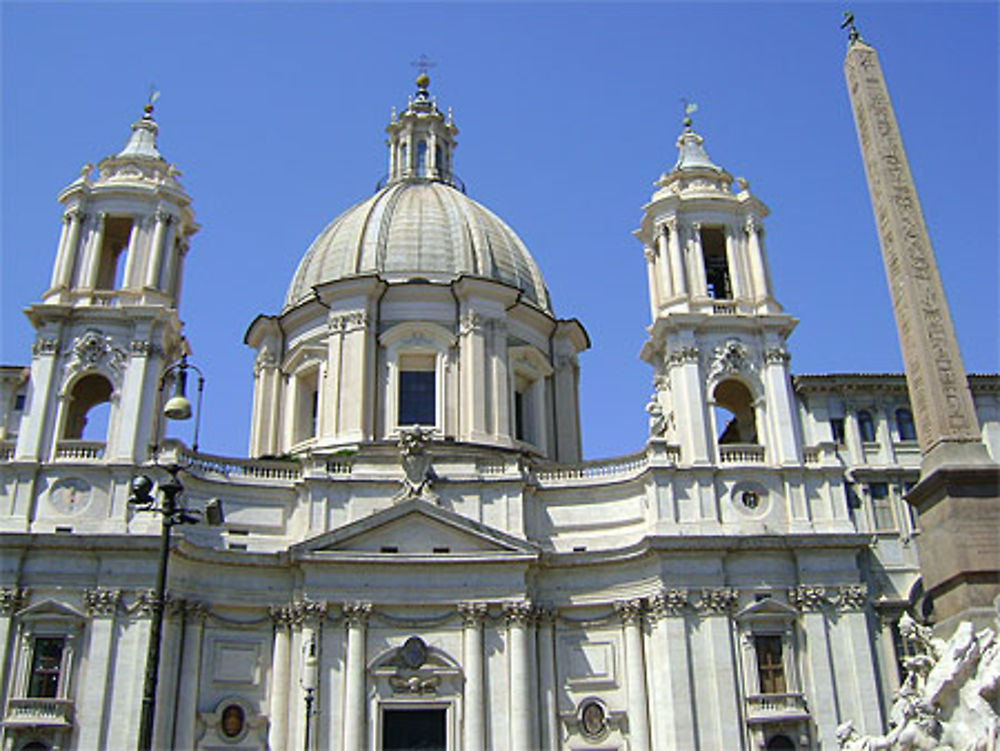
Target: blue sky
568,112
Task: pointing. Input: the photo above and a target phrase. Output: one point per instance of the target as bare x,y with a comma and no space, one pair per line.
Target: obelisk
957,497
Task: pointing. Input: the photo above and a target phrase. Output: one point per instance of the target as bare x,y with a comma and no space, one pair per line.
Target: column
355,726
473,375
887,651
688,387
309,614
102,605
630,612
503,425
93,263
36,422
167,680
185,723
697,281
356,384
652,279
280,687
548,688
856,677
735,263
677,274
473,614
11,599
130,258
781,408
758,275
68,262
519,617
57,267
163,220
822,698
722,721
675,719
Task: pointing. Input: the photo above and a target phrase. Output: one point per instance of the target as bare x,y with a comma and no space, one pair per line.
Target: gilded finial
423,64
689,109
852,35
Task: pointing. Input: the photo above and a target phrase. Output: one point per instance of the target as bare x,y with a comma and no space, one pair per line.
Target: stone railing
25,712
811,455
339,466
7,450
603,469
79,451
724,307
741,453
240,469
776,707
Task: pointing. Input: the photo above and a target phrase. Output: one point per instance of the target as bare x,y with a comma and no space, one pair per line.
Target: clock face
70,495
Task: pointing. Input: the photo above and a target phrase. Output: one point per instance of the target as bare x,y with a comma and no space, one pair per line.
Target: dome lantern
421,140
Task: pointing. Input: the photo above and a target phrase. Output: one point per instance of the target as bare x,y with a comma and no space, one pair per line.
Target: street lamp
178,406
310,668
171,513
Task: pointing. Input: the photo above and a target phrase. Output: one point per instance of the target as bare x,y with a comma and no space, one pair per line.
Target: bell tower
107,326
718,335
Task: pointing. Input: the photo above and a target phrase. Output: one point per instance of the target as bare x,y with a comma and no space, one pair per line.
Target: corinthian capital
630,611
520,612
472,613
357,613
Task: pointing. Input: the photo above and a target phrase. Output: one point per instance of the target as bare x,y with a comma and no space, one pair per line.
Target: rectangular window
770,664
417,390
46,663
837,429
519,416
881,506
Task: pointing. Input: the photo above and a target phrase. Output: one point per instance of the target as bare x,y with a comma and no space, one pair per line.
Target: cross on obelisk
957,496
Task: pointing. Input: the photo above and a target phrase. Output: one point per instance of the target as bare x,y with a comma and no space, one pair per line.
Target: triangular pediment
767,609
51,610
416,527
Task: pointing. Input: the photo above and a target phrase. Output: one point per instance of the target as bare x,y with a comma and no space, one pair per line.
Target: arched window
306,405
734,413
866,426
904,424
88,407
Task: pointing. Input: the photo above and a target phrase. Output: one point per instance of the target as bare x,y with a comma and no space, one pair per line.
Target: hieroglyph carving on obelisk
939,392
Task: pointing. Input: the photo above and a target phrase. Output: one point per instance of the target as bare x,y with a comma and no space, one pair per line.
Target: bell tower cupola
126,231
421,139
717,339
107,327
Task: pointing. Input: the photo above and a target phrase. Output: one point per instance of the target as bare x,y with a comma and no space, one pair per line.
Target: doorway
418,729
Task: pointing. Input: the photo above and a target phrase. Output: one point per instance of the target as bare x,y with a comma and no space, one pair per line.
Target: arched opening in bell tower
717,278
734,413
114,245
88,408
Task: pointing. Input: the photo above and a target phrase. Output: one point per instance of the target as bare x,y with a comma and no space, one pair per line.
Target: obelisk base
959,541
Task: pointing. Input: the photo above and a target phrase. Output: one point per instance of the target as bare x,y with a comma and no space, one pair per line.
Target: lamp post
308,680
171,513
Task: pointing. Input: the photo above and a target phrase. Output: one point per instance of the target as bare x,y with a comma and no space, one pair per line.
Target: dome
418,229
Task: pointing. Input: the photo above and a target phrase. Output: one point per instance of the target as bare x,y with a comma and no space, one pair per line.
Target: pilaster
356,615
473,614
520,618
630,612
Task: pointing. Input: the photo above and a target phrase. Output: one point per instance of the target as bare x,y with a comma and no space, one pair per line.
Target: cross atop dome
142,142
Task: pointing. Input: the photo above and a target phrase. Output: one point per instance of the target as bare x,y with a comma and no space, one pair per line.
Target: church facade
415,554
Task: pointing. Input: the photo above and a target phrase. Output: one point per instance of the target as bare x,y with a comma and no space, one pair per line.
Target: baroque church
415,555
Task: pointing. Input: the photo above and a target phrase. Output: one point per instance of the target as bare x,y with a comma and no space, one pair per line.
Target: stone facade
462,579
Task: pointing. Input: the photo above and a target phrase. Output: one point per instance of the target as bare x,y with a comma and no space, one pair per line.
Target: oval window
233,720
